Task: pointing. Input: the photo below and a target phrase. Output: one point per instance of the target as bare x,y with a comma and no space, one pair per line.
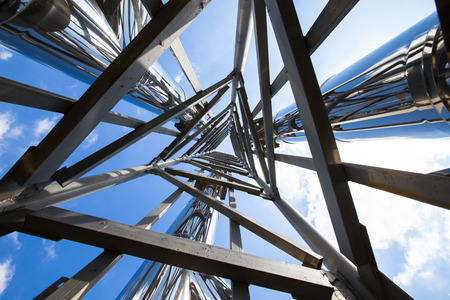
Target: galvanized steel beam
214,136
306,256
220,165
194,135
247,118
122,238
244,139
352,237
85,279
21,94
180,55
330,17
209,133
169,150
428,188
209,156
205,179
219,173
66,175
262,51
53,194
240,290
153,7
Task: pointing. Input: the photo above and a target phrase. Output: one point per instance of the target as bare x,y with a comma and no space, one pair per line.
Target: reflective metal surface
81,38
403,83
154,280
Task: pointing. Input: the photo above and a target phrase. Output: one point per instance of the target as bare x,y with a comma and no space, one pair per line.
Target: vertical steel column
245,138
351,235
262,51
240,290
248,120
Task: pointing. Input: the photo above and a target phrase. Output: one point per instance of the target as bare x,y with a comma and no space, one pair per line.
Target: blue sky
411,240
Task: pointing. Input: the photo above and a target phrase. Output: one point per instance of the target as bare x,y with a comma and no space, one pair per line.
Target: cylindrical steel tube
405,82
81,38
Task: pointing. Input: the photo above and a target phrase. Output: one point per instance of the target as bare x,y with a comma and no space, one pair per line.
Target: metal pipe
244,29
82,39
404,82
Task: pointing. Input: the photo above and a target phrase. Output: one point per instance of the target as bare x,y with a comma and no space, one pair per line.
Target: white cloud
44,126
7,270
49,250
14,132
7,130
90,140
5,54
13,237
420,231
6,119
179,76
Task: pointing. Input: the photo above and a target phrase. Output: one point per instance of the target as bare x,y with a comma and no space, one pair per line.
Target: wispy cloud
5,54
179,76
15,132
14,239
43,126
393,222
6,119
90,140
7,130
7,270
49,251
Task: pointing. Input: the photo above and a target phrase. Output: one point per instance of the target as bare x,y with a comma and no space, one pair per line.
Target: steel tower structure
120,68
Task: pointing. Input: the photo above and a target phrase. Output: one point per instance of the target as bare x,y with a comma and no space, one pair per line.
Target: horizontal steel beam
223,160
225,167
334,260
21,94
427,188
55,194
225,156
299,161
431,189
205,179
306,256
219,173
77,286
302,282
